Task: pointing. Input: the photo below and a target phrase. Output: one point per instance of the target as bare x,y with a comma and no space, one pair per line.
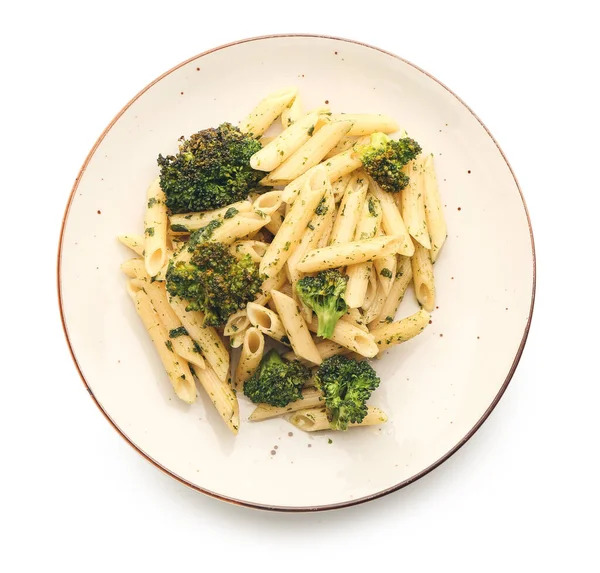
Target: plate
437,389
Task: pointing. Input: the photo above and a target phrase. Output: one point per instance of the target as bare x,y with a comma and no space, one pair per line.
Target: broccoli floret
383,159
324,293
346,385
214,281
276,381
211,170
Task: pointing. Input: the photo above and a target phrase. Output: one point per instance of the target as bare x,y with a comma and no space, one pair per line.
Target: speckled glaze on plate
437,389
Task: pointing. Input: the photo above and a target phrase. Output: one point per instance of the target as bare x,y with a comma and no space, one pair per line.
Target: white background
522,495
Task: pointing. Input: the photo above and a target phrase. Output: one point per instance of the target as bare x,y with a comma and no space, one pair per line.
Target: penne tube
237,322
367,123
292,113
354,316
155,229
434,215
268,322
413,204
189,222
386,272
267,111
253,348
311,398
359,274
277,219
285,144
238,226
400,330
326,349
392,222
271,283
134,242
390,306
339,186
377,304
342,145
371,292
310,154
254,249
348,253
295,327
177,368
351,337
237,339
135,269
162,274
268,202
350,209
422,268
180,340
336,167
222,396
288,237
315,419
211,346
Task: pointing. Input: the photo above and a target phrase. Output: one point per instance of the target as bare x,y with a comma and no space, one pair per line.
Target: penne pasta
253,348
315,419
339,186
268,322
176,367
367,123
238,226
180,340
376,304
359,274
351,337
400,330
211,346
390,306
434,215
135,269
155,229
222,396
267,111
311,398
386,272
268,202
326,349
342,145
413,204
354,316
392,222
356,252
285,144
422,268
310,154
237,322
295,327
254,249
336,167
350,209
288,237
189,222
134,242
292,113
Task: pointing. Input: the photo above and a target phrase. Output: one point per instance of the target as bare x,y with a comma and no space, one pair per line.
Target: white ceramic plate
437,389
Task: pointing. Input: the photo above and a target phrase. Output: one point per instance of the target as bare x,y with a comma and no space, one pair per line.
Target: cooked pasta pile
316,208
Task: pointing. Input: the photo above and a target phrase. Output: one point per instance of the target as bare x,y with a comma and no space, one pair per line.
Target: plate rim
256,505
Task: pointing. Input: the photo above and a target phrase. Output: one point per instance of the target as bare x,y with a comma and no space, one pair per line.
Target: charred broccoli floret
324,294
214,281
383,159
346,385
211,170
276,381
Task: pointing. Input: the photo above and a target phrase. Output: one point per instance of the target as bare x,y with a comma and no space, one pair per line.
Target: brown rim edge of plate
276,507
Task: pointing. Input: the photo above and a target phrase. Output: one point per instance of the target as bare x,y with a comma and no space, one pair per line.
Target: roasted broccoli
346,385
383,159
324,293
211,170
214,281
276,381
